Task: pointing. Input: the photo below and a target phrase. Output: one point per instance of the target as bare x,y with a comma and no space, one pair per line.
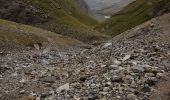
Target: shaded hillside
60,16
134,14
18,35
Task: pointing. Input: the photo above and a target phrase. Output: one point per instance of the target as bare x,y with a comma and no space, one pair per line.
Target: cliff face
17,11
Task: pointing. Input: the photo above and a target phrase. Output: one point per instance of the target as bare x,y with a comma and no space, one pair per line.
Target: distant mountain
134,14
100,8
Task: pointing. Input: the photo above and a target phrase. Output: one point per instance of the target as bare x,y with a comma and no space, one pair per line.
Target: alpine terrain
57,50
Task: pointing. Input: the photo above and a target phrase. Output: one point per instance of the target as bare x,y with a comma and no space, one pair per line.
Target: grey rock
116,78
137,69
64,87
49,79
131,97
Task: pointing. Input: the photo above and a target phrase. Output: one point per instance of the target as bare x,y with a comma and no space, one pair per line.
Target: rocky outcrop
20,12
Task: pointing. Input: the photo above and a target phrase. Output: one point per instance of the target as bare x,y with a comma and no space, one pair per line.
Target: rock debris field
120,69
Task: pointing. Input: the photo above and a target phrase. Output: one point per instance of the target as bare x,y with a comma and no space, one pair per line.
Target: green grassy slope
134,14
12,33
66,18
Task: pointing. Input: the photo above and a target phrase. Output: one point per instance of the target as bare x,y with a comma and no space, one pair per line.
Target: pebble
116,79
49,79
131,97
64,87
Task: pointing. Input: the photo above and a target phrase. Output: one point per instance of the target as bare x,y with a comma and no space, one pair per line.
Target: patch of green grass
134,14
68,19
12,33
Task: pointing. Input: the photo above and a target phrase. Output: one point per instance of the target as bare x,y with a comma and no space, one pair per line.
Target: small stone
146,89
22,91
106,89
22,81
116,62
151,81
28,98
126,57
36,46
131,97
149,75
103,66
114,67
137,69
116,79
159,75
107,45
108,83
64,87
49,79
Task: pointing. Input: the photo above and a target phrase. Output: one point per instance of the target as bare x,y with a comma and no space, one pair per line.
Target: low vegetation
134,14
60,16
12,33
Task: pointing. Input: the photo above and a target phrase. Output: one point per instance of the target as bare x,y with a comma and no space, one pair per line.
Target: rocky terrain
134,65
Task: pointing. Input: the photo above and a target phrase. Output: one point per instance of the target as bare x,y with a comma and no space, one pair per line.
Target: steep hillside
60,16
14,35
134,14
134,65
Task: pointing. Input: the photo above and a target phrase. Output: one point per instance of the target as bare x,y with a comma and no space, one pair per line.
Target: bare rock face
20,12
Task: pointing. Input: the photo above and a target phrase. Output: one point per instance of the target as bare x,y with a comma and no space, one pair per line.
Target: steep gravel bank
125,68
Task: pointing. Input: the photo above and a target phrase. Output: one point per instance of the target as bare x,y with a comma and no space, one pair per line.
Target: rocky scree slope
125,68
134,14
59,16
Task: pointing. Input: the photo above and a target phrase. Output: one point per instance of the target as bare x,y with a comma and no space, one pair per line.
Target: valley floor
128,67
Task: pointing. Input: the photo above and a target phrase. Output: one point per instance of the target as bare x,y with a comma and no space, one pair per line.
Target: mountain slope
134,14
128,67
13,34
60,16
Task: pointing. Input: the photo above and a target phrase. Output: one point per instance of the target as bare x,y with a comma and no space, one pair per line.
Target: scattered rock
49,79
64,87
137,69
131,97
107,45
28,98
126,57
146,89
116,79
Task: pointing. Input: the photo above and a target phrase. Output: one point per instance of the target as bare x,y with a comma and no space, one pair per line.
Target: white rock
126,57
65,87
107,45
131,97
22,81
36,46
116,62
